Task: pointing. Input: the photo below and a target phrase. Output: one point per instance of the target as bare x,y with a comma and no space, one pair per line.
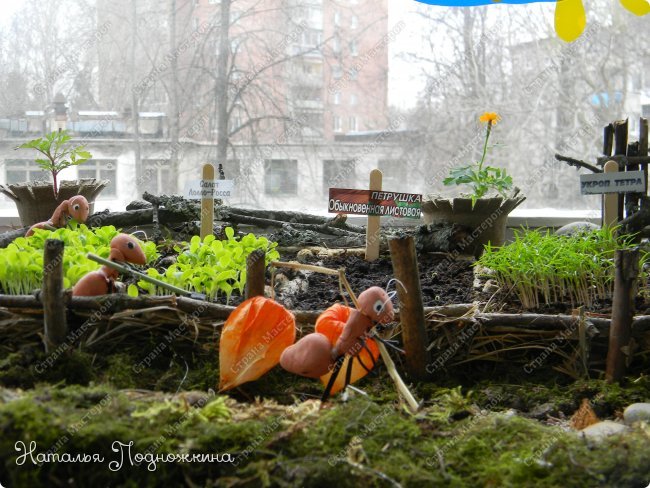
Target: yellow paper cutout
570,19
637,7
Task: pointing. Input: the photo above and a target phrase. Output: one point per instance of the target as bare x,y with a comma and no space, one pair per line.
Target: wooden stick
207,203
578,163
261,222
414,335
390,365
643,146
625,279
373,229
255,270
305,267
624,159
643,137
56,328
620,149
399,383
632,199
620,137
608,139
128,271
610,200
118,302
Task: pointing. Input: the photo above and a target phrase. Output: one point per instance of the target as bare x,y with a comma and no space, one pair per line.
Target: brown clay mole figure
315,354
124,248
75,208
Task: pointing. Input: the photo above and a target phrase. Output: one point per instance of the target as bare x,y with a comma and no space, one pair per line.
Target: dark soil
443,280
509,303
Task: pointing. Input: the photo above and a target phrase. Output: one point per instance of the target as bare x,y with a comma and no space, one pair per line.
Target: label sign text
376,203
198,189
618,182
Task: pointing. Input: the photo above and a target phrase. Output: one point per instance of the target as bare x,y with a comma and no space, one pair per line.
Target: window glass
156,177
394,176
339,174
101,169
281,177
338,126
23,170
307,81
353,124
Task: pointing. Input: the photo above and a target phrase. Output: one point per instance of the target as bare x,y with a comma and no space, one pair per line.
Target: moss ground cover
467,433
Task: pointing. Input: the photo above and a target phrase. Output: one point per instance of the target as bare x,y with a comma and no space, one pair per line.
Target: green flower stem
487,136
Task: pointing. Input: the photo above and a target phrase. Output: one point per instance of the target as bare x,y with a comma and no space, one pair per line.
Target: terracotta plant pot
35,200
487,220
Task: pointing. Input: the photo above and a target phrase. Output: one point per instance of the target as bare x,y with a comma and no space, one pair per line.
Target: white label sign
618,182
198,189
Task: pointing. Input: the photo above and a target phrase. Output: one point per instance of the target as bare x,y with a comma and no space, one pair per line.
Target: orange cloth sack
330,323
252,340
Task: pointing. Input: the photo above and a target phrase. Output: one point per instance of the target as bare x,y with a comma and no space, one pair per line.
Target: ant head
79,208
126,248
376,304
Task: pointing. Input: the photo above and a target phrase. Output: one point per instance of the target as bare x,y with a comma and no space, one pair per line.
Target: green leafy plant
212,266
21,262
59,155
540,267
481,178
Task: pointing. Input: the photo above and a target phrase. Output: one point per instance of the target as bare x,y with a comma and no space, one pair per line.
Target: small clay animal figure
316,354
75,208
124,248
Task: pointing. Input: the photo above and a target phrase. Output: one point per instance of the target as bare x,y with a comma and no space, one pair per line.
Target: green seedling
543,268
212,267
21,262
58,154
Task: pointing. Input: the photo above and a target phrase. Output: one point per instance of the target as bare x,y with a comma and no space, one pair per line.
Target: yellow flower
490,118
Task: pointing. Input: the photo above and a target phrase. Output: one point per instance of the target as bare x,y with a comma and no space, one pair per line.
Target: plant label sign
375,203
198,189
616,182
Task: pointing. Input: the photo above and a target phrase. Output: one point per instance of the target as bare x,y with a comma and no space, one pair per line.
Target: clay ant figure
326,350
75,208
124,248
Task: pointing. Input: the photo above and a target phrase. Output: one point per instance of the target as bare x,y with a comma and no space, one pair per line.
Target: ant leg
348,372
335,373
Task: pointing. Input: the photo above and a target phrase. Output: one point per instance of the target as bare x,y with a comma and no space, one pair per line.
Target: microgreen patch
540,267
212,267
21,262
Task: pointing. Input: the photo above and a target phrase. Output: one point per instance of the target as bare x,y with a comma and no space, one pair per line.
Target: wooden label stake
207,204
373,229
610,200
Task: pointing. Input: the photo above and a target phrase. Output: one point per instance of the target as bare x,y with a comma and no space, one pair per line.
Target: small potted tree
36,201
485,210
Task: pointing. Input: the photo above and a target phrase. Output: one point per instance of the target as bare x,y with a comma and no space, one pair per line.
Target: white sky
7,9
403,79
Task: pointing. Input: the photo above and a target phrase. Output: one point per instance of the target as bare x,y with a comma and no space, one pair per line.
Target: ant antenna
394,292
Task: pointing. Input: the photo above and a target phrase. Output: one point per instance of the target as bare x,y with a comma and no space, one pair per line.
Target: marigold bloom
490,118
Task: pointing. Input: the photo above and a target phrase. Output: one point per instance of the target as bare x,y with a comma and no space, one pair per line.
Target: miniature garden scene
315,243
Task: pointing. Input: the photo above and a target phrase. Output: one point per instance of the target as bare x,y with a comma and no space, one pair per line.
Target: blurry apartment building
306,96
